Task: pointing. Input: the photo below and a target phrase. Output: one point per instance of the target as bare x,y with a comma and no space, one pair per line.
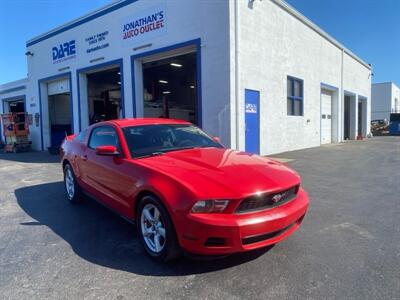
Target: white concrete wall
385,100
185,20
395,99
381,101
274,44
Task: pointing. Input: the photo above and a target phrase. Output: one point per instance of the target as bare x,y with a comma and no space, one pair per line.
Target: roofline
14,82
121,3
387,82
288,8
13,89
79,21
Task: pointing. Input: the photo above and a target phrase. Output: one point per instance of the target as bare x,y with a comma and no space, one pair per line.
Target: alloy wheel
69,183
153,228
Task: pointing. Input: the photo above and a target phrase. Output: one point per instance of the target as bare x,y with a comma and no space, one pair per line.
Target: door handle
84,157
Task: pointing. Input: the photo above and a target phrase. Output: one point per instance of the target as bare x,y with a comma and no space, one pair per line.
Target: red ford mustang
182,188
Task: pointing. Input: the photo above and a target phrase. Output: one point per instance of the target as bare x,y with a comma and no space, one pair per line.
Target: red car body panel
181,178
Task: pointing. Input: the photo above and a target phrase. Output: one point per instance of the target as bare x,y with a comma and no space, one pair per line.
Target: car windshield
149,140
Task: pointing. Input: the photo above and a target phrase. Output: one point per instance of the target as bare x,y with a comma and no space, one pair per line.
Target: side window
294,96
103,136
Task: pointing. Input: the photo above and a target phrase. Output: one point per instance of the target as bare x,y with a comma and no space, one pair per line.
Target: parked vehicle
183,189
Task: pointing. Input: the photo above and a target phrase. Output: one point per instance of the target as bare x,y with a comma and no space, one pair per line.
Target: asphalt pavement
347,248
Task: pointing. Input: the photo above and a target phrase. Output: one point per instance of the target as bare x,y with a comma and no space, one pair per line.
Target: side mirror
107,151
217,139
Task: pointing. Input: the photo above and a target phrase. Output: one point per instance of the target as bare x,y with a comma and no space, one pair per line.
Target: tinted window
103,136
155,139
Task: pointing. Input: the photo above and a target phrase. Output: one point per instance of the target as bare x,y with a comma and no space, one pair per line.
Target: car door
105,176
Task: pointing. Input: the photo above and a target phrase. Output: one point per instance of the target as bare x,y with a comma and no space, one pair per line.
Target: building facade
258,74
385,99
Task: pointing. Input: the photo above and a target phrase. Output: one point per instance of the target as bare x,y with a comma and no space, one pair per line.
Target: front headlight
210,206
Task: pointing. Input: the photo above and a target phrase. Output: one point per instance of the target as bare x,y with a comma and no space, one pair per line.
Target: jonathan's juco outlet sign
144,25
64,51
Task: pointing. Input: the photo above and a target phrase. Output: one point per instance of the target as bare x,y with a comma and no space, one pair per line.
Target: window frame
104,126
294,98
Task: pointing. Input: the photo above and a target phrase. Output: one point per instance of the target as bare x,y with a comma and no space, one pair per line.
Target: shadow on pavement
101,237
30,157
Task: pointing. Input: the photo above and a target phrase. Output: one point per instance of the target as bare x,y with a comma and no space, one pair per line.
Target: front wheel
72,188
156,230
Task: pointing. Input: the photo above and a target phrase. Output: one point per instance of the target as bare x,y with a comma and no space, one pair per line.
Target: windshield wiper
156,153
161,152
180,148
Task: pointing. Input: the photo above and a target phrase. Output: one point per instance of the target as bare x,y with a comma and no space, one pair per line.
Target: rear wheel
156,230
72,188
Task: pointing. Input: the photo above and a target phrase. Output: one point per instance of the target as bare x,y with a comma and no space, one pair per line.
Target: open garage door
104,95
16,106
169,87
101,93
326,117
59,109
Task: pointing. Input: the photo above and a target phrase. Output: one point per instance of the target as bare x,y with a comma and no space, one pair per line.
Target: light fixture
163,81
63,69
29,53
142,46
175,65
119,82
96,59
119,73
192,86
166,92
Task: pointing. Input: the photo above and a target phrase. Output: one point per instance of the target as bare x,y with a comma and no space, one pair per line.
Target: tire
152,229
72,189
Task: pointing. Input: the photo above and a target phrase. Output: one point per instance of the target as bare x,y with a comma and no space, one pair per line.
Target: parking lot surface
347,248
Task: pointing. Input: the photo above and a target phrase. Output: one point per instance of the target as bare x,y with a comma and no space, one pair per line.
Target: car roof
145,121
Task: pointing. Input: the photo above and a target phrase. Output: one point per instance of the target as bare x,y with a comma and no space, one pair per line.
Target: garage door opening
169,88
350,117
362,117
104,95
16,106
346,127
59,118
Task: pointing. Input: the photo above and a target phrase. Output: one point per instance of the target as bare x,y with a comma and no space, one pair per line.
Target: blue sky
370,28
21,20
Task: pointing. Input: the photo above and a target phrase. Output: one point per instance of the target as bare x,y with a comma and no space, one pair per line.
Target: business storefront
201,61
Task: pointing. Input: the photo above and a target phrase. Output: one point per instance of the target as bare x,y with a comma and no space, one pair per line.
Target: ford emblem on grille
278,197
260,201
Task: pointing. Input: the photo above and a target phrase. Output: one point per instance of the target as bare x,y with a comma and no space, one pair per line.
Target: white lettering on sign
144,25
251,108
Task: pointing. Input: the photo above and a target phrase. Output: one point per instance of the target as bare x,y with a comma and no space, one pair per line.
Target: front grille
262,237
265,201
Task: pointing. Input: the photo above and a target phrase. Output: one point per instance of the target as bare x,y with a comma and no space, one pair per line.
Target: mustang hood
223,173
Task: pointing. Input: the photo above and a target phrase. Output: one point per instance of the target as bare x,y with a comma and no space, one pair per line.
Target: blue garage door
252,120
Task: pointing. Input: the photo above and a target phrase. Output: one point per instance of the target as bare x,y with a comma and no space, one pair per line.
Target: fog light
210,206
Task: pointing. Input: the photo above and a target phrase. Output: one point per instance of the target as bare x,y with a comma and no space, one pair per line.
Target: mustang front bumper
214,234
